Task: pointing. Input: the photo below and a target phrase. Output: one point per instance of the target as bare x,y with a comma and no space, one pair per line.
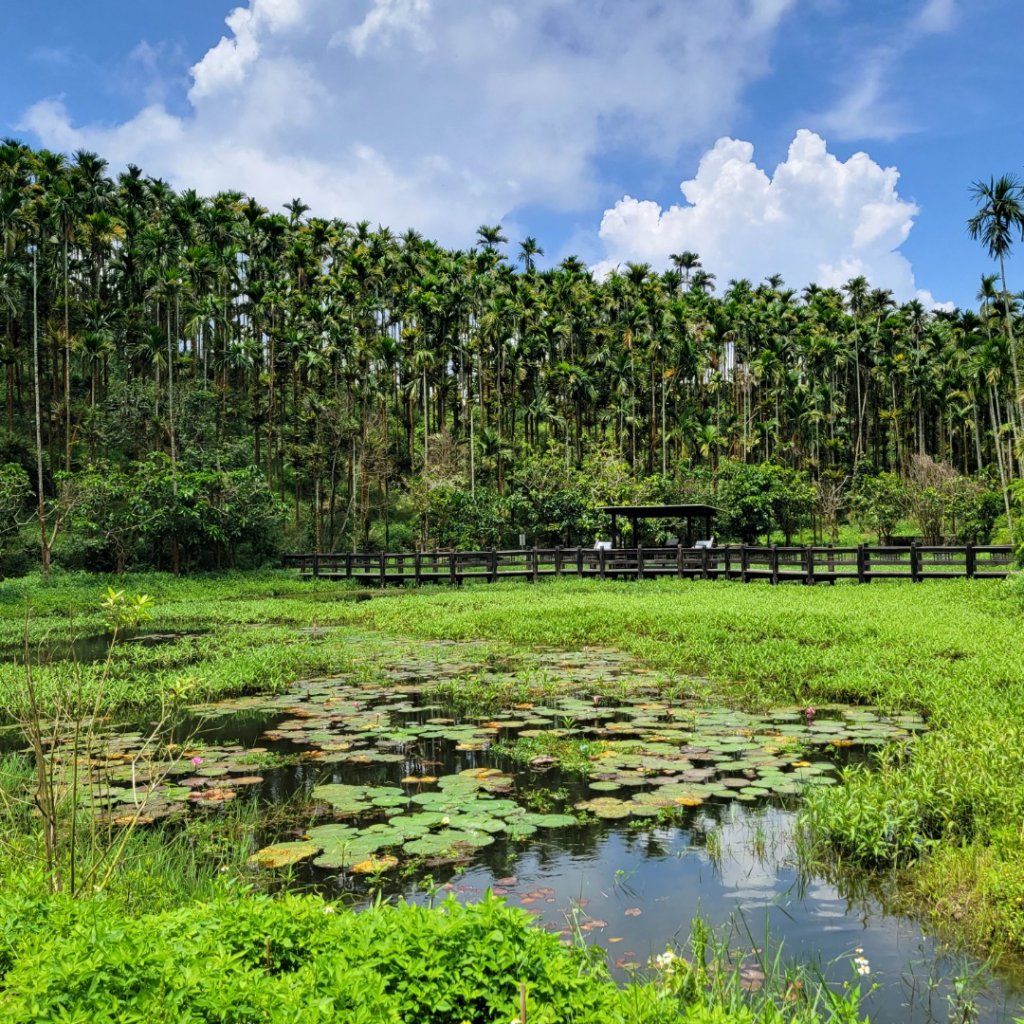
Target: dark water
91,649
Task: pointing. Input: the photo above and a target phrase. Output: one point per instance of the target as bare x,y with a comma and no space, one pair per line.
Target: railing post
915,563
558,560
316,564
348,564
774,565
600,562
831,558
743,563
971,560
533,563
452,579
679,560
705,557
639,563
727,561
809,565
417,564
579,560
494,565
862,564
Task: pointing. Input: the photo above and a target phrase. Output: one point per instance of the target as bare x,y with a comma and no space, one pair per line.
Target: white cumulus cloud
440,114
815,219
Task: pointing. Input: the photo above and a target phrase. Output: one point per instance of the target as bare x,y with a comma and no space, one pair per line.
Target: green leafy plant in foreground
237,959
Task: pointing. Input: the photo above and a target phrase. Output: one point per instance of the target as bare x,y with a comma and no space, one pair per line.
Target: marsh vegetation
619,760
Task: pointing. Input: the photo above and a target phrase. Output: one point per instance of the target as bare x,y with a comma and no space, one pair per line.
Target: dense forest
197,381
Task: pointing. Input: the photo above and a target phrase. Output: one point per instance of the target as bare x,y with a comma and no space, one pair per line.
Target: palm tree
1000,216
685,263
490,236
528,248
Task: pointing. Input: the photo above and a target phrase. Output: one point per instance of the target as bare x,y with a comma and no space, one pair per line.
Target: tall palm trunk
994,415
44,545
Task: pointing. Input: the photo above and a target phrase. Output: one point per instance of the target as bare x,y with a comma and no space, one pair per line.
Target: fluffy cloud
817,218
440,114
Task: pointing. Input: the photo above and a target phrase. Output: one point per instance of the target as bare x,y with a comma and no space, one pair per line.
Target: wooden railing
742,562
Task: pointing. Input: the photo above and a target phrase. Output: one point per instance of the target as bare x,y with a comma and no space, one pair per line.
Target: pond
591,799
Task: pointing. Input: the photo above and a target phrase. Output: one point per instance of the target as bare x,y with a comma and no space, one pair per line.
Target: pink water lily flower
197,760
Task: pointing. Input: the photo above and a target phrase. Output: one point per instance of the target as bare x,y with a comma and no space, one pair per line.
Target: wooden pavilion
703,514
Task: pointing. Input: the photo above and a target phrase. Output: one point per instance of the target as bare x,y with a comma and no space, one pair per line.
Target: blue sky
575,121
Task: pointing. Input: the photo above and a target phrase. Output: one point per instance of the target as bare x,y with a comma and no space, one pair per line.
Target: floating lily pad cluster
397,774
464,814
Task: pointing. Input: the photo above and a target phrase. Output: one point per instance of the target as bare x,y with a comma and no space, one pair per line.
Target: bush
880,502
298,960
135,516
757,500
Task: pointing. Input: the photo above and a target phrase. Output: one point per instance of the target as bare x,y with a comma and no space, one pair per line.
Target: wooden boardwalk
736,562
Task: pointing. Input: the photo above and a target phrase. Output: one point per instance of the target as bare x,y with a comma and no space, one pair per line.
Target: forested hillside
198,381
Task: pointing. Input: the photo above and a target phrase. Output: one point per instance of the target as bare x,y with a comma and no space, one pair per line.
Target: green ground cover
948,819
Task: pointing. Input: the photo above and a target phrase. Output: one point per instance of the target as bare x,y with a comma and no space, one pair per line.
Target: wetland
614,795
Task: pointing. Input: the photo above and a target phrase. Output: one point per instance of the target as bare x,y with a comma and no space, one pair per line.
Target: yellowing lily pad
282,855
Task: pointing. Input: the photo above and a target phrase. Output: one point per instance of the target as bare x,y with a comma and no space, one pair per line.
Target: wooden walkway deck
738,562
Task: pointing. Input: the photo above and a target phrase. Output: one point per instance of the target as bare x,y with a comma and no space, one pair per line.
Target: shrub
299,960
757,500
880,502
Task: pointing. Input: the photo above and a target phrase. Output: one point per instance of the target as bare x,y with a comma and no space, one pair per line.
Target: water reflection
637,894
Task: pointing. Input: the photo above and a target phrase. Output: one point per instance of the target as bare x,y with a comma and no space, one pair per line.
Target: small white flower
328,910
863,969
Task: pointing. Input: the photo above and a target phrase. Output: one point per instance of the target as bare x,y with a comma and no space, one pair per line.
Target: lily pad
282,855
